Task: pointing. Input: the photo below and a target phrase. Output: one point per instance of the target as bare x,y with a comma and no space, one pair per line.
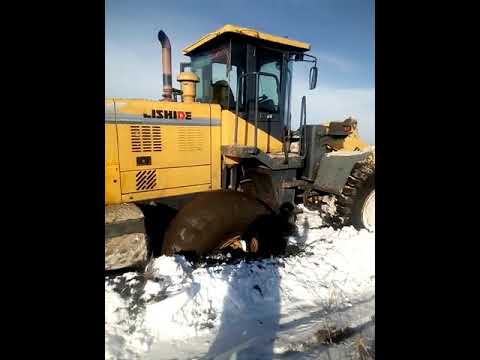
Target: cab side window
211,67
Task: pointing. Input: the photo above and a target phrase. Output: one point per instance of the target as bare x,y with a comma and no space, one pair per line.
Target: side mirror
313,77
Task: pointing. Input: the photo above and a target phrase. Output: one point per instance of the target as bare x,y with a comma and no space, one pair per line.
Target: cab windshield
219,70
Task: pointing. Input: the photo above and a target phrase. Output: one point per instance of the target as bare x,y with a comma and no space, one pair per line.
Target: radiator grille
190,139
145,138
146,180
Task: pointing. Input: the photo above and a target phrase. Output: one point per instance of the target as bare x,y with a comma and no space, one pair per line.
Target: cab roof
233,29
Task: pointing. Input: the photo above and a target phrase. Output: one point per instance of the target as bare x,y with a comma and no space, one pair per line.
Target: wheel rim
368,212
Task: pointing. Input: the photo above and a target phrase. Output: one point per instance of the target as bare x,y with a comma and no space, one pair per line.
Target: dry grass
364,352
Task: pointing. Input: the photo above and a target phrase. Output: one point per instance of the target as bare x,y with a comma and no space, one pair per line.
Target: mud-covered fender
334,168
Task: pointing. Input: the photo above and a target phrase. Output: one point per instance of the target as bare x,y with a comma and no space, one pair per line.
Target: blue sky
341,34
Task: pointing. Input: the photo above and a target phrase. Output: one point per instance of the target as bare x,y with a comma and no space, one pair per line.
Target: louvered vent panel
156,138
146,180
136,139
190,139
145,138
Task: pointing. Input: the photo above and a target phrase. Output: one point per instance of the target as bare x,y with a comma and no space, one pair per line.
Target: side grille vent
146,180
145,138
190,139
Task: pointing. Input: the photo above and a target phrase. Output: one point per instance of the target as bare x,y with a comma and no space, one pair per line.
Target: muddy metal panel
315,138
335,168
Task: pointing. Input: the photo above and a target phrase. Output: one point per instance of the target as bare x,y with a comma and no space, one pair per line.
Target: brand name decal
169,114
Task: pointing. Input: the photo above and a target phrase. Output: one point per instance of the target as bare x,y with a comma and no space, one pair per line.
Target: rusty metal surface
230,242
209,219
274,161
293,184
335,168
342,128
239,151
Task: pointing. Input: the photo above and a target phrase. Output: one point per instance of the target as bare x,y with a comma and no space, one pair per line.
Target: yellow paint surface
298,45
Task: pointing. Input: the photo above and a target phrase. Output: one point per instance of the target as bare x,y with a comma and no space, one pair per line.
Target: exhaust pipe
166,65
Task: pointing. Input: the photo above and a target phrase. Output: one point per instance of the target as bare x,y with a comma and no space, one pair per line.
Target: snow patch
229,309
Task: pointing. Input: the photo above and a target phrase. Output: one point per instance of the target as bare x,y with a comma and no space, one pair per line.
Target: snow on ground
266,309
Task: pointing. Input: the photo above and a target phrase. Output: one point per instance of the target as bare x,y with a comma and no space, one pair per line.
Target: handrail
303,119
287,140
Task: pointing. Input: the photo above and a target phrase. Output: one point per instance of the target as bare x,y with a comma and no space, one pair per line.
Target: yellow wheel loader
220,150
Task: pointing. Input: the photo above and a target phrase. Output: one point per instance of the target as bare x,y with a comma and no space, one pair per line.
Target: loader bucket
210,219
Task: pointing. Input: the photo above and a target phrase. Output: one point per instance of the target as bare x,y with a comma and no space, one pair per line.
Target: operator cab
229,61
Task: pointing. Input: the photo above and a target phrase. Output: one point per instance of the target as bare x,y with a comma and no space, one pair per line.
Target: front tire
356,205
